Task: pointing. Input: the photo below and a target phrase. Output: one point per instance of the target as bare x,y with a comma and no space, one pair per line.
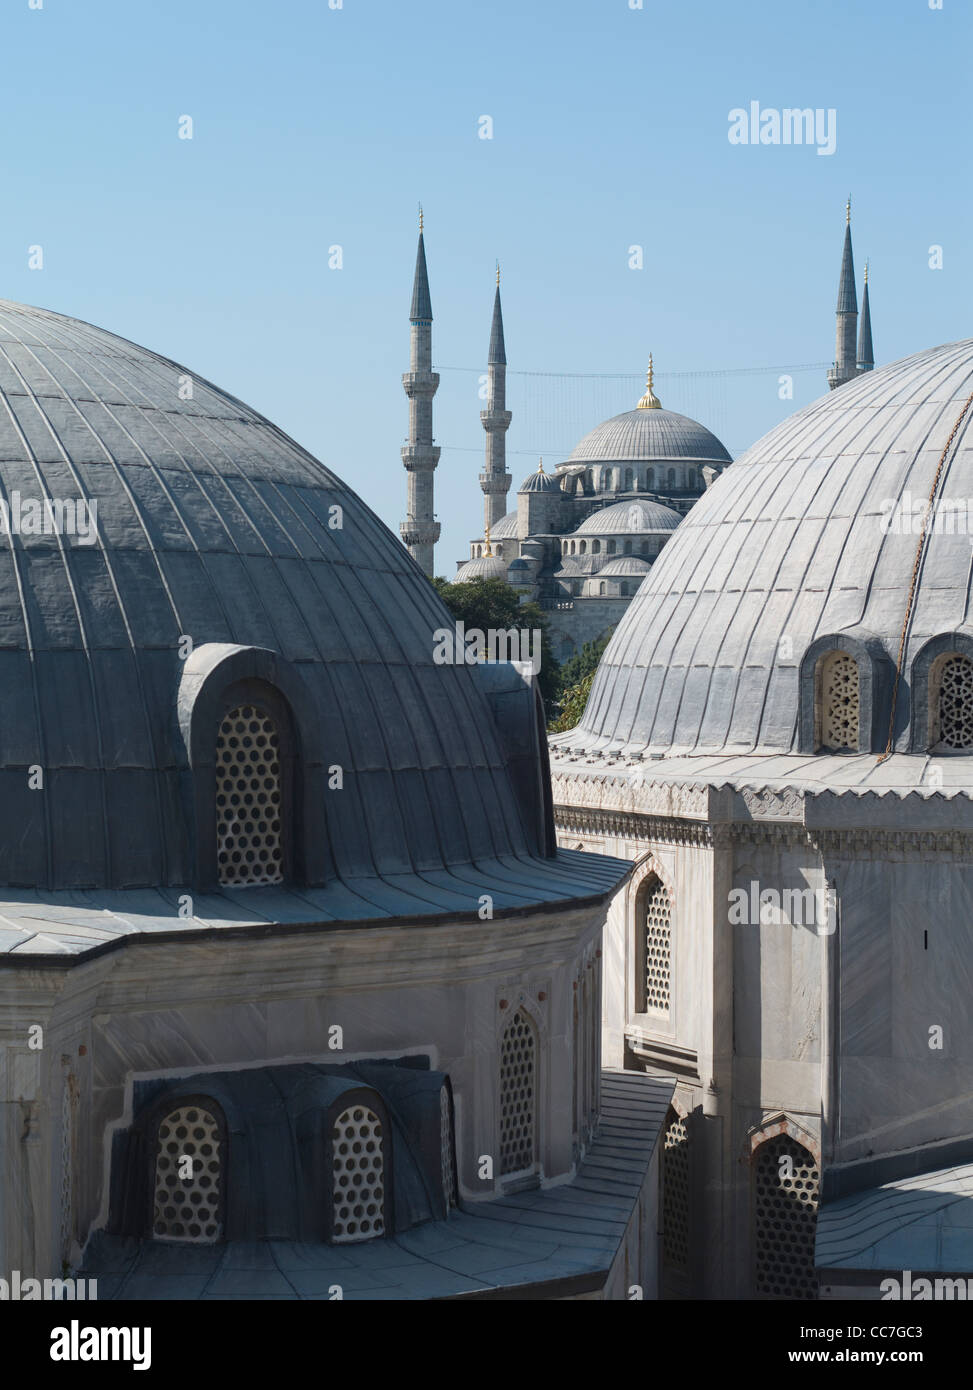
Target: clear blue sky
315,127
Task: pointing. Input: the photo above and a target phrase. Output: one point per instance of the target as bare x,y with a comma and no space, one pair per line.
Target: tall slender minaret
846,347
495,480
420,530
866,357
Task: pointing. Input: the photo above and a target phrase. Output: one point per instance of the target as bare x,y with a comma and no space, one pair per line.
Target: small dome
519,564
506,527
629,518
483,567
624,566
647,436
540,482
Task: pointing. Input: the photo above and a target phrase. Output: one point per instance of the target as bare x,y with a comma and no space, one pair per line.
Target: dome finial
540,466
650,401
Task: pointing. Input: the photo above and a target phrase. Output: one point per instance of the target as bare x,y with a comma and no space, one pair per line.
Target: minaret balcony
420,458
420,384
419,532
495,482
495,419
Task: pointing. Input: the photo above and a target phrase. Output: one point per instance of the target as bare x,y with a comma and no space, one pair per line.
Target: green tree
491,603
576,678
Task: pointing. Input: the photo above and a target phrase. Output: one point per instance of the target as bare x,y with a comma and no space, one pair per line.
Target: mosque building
583,536
780,737
298,996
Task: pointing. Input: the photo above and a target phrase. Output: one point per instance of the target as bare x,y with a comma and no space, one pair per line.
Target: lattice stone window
248,799
518,1094
358,1166
840,703
956,703
446,1149
188,1176
786,1182
675,1193
656,945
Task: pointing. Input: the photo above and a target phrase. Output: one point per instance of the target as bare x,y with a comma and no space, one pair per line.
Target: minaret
866,357
846,349
420,530
495,480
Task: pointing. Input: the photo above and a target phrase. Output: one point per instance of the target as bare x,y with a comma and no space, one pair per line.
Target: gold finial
498,274
487,532
848,211
650,401
420,219
540,466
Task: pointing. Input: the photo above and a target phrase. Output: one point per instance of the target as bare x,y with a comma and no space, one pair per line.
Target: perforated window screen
675,1193
786,1182
657,945
956,703
359,1175
446,1149
518,1101
248,799
839,701
188,1176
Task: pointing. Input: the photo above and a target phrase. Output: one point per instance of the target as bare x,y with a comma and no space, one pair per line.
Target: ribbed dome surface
211,524
787,546
505,527
482,567
629,518
625,565
645,435
539,482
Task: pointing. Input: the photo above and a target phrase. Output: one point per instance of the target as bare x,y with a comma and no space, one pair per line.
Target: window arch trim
150,1124
875,676
365,1098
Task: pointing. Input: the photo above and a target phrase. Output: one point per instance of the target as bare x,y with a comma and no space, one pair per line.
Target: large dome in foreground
212,526
795,543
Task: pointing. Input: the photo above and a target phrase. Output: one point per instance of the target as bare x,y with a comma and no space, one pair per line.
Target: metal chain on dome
915,570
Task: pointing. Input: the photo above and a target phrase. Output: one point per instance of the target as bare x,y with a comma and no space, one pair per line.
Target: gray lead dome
215,526
794,543
638,435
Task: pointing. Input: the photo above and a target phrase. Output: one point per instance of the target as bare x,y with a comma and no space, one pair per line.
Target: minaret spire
846,348
420,530
495,480
866,357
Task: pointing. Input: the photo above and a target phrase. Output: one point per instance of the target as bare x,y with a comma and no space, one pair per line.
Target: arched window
645,547
628,547
785,1211
623,588
188,1176
249,842
653,925
610,548
628,480
358,1171
650,478
675,1204
839,701
583,546
953,706
601,587
518,1095
446,1149
672,477
596,547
